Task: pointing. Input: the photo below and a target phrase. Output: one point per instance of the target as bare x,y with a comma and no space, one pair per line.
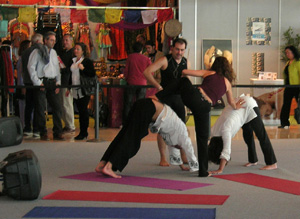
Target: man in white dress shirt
43,68
228,124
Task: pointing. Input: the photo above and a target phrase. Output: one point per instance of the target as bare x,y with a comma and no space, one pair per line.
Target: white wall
219,19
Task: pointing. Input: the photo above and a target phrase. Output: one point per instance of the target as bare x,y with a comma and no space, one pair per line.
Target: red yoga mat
281,185
138,197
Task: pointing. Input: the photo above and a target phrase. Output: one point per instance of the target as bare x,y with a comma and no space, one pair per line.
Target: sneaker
194,166
68,130
36,135
27,134
175,160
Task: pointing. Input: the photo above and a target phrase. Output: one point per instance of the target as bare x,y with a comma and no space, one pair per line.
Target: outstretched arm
197,73
230,99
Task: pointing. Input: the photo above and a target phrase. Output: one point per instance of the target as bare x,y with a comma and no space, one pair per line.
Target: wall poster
258,31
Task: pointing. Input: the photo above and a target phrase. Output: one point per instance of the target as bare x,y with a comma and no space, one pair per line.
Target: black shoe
283,127
81,136
59,137
44,137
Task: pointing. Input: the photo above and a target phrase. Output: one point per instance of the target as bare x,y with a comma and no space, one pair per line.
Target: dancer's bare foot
269,167
184,168
250,164
100,166
164,163
107,170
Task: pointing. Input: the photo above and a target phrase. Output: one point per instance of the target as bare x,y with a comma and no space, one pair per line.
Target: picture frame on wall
211,48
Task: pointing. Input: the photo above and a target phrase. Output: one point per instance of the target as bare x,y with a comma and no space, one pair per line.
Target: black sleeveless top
173,71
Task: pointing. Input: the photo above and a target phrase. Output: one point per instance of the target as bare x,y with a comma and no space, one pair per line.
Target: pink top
135,66
214,86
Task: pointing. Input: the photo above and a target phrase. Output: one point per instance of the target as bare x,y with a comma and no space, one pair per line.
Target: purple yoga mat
139,181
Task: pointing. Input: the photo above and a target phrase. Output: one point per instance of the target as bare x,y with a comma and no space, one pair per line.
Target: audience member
67,101
21,92
82,65
43,67
136,63
31,128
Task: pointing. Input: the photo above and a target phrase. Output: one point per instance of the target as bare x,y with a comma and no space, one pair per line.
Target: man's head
137,47
178,48
67,41
215,148
141,38
37,38
150,47
50,39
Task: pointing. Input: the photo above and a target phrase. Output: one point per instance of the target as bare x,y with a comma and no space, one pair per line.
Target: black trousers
288,95
200,108
256,125
30,113
84,117
53,99
128,141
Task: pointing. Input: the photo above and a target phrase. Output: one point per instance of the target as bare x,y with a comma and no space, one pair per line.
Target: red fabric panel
78,16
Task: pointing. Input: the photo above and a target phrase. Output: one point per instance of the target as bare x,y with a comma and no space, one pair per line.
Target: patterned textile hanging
103,38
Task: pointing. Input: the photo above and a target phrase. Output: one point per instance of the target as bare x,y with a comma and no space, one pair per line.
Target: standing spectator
67,101
291,76
21,92
43,67
154,55
171,67
142,40
30,97
135,65
81,66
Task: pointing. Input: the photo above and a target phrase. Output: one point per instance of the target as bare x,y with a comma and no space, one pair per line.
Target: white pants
67,108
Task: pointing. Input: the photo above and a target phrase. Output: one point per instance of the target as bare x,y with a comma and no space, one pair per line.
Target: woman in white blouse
228,124
81,65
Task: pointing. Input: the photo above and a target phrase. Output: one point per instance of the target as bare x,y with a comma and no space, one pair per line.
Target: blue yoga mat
95,212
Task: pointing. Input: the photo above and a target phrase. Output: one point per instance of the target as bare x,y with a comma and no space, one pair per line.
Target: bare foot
250,164
107,170
100,166
269,167
164,163
184,168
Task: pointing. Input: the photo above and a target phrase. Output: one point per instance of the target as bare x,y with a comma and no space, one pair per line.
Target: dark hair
180,41
294,50
48,34
215,148
150,43
7,42
23,46
222,67
83,47
137,47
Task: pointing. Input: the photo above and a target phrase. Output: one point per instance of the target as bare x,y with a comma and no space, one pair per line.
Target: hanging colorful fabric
132,16
164,15
149,16
78,16
27,14
112,16
3,28
65,14
9,13
96,15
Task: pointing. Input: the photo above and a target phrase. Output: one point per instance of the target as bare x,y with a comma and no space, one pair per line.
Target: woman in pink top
136,64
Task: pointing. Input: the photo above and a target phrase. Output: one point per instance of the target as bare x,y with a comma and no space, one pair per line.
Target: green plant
289,39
